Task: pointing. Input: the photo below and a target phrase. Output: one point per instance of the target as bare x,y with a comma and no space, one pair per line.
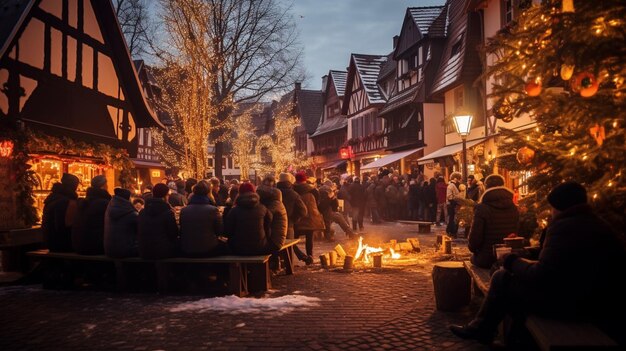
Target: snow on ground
237,305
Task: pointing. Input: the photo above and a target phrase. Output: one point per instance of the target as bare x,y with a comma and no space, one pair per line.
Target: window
141,137
210,162
456,48
223,162
149,138
507,11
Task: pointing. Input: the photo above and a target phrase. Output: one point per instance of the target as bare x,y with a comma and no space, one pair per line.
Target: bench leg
120,276
259,277
288,256
163,275
238,283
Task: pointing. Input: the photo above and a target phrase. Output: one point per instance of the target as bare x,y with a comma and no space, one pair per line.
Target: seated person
120,226
575,277
59,212
158,231
88,229
495,217
248,224
200,225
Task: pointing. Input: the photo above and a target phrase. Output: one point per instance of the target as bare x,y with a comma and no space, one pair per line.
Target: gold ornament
586,84
598,133
525,155
567,71
533,88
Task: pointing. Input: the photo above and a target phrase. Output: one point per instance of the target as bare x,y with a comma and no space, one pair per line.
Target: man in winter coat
441,188
371,203
413,205
248,225
495,217
381,199
272,198
158,231
313,221
328,207
452,195
120,226
59,212
88,229
430,193
200,225
475,188
357,203
176,199
575,277
294,206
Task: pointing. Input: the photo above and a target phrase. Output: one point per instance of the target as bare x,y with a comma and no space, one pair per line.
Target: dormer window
456,48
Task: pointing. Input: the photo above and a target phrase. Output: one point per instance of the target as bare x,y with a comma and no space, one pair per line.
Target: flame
365,251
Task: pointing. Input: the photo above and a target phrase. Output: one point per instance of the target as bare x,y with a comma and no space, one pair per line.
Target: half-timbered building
361,104
329,152
67,77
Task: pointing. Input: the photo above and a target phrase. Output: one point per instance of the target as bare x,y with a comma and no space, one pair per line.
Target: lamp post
463,124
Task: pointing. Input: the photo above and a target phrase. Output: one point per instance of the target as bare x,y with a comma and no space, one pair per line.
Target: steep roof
310,107
388,67
339,80
368,68
330,125
403,98
424,16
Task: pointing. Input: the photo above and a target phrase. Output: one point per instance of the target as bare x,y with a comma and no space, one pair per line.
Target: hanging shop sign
345,153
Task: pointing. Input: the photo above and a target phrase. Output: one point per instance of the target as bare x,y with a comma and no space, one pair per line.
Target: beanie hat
160,190
284,177
172,186
494,180
246,188
69,180
123,193
98,181
301,177
567,195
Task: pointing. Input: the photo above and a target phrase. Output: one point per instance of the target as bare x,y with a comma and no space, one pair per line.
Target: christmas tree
563,64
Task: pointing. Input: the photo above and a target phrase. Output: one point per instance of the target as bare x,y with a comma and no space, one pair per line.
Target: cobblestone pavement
392,308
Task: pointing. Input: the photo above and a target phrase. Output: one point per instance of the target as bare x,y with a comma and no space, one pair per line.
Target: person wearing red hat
313,221
248,224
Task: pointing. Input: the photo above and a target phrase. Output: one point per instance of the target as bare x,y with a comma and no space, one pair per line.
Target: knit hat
284,177
246,188
160,190
69,180
301,177
98,181
172,185
494,180
567,195
123,193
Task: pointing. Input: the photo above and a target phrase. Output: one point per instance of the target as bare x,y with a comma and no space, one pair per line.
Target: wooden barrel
453,286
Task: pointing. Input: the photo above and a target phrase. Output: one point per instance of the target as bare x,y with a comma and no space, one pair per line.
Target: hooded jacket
293,205
88,228
200,224
120,228
158,232
310,197
57,234
495,217
271,198
248,226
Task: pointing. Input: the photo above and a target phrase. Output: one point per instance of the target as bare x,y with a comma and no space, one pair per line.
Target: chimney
395,41
298,86
324,80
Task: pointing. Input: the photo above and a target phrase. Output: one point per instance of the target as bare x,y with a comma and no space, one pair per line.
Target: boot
483,328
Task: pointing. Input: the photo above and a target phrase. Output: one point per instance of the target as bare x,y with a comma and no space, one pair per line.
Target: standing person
578,244
413,201
248,224
381,199
441,188
200,225
357,203
452,195
215,192
344,194
157,229
392,195
313,221
189,183
431,200
272,199
88,229
147,192
294,206
372,205
59,212
475,188
175,199
328,206
495,217
120,226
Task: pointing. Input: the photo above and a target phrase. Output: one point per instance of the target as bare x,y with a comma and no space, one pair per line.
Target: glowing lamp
6,148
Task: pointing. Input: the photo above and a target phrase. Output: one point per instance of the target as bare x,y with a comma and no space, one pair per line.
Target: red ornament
586,84
533,88
525,155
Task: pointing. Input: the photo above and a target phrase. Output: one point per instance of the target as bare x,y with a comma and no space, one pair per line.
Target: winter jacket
57,235
200,225
248,226
313,219
441,188
414,193
120,228
158,231
272,199
326,198
357,195
379,194
452,193
88,228
495,217
430,193
392,194
293,203
177,200
370,195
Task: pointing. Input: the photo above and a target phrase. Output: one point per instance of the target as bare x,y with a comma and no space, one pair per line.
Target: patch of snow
297,292
237,305
240,325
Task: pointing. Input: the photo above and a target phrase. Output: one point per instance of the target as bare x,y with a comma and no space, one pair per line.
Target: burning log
415,243
340,251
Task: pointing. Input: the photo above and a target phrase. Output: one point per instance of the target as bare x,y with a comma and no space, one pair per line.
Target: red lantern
6,148
345,153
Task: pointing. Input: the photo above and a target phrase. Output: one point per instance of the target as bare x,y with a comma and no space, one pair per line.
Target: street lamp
462,124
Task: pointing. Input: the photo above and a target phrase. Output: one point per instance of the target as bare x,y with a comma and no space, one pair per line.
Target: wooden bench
246,273
550,334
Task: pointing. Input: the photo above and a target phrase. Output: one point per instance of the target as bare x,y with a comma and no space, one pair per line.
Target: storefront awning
388,159
333,164
448,151
145,163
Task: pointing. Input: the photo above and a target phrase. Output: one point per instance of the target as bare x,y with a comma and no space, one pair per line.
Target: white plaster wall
433,127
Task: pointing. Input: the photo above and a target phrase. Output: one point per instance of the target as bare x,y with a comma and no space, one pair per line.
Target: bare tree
249,47
136,24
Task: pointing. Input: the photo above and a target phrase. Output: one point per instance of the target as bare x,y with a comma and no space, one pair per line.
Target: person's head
565,196
180,186
189,183
357,180
440,179
245,188
160,191
234,182
301,177
494,180
285,178
456,177
215,184
471,179
138,203
70,181
172,186
202,188
148,188
99,182
123,193
269,180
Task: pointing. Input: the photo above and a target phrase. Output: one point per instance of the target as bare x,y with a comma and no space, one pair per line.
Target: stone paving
392,308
